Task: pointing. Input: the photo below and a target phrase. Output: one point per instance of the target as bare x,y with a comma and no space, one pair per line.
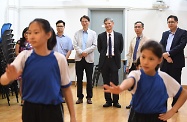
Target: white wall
3,17
70,15
21,12
154,21
9,14
71,10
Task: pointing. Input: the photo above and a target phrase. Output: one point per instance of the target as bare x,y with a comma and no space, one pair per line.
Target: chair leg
3,93
93,80
16,92
97,78
7,94
15,89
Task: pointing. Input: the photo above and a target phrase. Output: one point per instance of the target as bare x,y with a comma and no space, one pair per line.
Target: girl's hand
167,115
12,73
112,88
73,119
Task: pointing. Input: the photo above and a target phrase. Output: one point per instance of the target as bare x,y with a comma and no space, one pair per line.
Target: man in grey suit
110,47
84,43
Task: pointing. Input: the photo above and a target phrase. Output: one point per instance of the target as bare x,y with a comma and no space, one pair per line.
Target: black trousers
32,112
110,74
80,66
173,72
139,117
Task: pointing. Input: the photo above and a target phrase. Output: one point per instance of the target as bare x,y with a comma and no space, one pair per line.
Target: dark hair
155,47
174,17
110,19
60,21
86,17
23,39
52,41
138,62
47,28
140,23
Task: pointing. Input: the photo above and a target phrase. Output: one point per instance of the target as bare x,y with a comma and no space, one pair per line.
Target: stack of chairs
96,75
7,55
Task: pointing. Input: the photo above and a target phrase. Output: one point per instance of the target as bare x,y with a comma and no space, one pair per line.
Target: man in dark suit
110,47
173,42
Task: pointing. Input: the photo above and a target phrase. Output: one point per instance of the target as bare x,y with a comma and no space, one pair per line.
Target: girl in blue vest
45,76
151,88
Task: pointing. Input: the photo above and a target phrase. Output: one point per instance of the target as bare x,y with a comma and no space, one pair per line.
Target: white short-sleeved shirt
43,76
152,92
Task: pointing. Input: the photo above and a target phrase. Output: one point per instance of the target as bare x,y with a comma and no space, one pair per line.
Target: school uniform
42,80
151,94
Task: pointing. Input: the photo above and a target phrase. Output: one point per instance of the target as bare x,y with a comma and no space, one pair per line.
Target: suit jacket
91,45
177,47
102,48
143,39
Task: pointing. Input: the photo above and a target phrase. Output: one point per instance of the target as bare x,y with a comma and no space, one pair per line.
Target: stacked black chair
7,55
96,75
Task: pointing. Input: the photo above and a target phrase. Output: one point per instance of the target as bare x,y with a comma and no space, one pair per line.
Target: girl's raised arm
126,84
10,75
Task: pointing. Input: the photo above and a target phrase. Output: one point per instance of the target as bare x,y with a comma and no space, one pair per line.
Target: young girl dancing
45,76
151,88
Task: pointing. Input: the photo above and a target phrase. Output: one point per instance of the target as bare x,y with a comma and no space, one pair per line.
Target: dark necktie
136,48
109,46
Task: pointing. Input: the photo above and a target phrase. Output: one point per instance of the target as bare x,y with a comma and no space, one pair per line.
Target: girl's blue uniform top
152,92
43,76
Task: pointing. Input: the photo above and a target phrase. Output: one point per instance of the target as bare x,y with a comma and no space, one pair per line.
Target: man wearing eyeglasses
84,43
173,42
64,43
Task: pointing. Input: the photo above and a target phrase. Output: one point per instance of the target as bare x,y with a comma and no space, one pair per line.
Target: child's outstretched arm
10,74
126,84
69,101
181,100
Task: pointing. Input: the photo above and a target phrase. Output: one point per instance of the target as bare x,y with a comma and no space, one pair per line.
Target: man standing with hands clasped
110,47
85,42
173,41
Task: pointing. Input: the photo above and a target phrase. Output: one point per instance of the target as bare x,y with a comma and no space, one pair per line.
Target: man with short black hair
64,43
84,43
173,41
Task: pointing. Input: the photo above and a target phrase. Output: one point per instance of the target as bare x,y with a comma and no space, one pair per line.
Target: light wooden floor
87,112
